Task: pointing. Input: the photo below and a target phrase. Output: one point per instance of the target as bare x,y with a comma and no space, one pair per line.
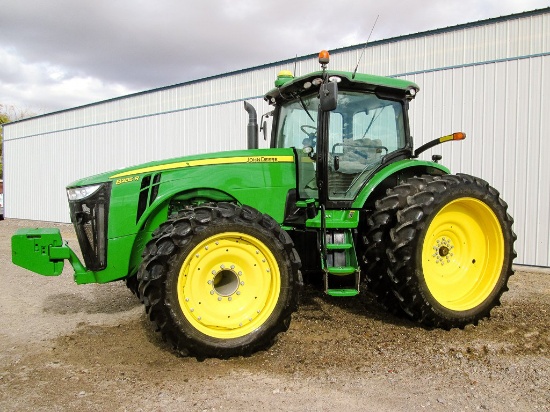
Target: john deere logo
261,159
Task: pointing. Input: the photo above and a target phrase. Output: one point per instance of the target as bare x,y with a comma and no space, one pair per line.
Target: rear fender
417,167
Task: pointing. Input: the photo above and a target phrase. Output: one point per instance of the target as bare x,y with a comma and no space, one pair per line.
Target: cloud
38,87
62,53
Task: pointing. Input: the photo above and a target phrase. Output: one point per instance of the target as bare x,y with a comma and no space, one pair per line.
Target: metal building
490,79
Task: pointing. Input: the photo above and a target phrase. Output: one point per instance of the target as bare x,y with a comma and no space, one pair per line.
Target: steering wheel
307,126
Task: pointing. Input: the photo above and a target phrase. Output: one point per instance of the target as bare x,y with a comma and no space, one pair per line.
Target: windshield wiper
305,108
374,117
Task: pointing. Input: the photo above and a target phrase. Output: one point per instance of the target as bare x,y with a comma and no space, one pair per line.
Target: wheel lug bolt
219,298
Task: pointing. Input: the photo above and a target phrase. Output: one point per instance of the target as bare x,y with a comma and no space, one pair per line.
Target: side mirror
264,129
263,126
328,94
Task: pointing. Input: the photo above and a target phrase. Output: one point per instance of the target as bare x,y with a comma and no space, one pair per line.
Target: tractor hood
228,157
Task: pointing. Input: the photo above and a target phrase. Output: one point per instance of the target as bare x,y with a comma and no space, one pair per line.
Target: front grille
90,216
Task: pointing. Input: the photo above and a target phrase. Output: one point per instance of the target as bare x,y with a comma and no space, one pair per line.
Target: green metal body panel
343,219
391,169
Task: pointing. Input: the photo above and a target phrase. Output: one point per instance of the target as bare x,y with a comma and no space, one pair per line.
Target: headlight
79,193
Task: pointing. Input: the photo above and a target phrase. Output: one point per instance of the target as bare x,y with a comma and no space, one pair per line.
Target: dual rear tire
443,249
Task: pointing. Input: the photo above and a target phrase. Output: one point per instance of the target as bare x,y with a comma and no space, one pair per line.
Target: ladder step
342,292
339,246
341,270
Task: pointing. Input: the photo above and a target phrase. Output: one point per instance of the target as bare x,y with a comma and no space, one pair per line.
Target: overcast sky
57,54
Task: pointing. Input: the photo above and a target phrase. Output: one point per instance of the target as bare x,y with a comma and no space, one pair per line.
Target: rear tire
376,239
451,252
220,280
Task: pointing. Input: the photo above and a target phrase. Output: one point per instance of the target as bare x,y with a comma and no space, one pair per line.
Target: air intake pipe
252,128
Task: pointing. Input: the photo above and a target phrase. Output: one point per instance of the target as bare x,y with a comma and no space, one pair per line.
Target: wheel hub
225,282
443,250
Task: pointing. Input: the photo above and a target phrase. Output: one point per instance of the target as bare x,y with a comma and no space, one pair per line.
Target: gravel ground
66,347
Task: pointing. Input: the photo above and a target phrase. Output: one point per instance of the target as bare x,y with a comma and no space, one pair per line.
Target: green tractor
216,246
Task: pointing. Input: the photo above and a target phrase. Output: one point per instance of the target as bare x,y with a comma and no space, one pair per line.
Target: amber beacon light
324,57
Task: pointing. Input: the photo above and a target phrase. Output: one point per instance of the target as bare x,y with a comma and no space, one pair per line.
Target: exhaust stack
252,128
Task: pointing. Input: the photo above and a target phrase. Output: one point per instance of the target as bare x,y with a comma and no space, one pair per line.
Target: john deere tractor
217,245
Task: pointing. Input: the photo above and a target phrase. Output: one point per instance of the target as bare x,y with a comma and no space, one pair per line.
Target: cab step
341,268
342,292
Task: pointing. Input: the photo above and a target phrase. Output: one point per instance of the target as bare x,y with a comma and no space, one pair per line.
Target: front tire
451,252
220,280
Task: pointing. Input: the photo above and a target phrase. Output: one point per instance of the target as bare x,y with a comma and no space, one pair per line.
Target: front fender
158,213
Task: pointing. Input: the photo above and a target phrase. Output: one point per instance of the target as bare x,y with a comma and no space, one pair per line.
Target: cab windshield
362,130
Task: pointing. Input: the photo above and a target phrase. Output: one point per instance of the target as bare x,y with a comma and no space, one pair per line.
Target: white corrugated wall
490,80
505,112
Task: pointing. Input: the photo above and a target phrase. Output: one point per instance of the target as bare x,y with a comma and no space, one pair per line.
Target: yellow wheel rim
229,285
463,254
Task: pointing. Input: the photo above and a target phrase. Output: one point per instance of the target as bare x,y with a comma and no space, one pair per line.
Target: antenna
363,52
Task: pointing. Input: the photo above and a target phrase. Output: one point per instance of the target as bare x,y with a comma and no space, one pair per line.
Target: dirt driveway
66,347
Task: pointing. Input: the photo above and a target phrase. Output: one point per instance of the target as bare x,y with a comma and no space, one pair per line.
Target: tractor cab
344,128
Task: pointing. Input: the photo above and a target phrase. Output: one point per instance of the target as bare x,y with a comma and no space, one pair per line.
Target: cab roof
289,86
